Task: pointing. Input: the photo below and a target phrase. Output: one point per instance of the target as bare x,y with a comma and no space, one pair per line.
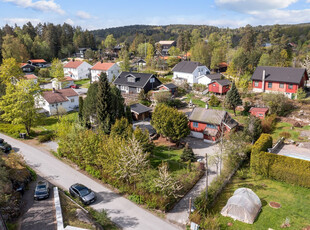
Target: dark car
86,195
5,147
74,86
42,190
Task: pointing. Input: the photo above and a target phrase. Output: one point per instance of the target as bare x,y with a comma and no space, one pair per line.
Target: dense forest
45,41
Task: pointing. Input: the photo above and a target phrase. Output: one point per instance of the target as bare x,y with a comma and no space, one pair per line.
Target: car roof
79,186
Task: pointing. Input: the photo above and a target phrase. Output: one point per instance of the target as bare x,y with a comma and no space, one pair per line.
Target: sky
100,14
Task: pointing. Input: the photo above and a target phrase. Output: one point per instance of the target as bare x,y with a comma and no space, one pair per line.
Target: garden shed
244,206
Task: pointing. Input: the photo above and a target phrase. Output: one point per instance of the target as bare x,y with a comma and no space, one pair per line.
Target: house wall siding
113,71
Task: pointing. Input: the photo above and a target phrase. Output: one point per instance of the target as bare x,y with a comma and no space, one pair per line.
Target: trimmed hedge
270,165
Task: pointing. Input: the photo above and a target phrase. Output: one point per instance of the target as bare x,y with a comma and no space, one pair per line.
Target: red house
285,80
172,88
259,112
209,124
219,86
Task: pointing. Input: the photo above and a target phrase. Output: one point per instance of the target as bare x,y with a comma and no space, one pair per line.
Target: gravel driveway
121,211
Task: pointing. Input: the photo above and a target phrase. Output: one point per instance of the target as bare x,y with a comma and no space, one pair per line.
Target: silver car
86,195
42,190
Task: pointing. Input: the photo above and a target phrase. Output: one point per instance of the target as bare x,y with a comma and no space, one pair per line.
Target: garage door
197,135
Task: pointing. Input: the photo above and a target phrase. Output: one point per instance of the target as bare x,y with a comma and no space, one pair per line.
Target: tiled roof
23,64
223,82
211,116
279,74
37,60
214,76
30,76
68,78
258,109
102,66
73,64
59,95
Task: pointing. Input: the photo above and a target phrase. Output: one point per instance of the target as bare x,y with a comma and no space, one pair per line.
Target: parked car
5,147
74,86
86,195
42,190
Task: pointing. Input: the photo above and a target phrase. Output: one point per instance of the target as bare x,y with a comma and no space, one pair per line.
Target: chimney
263,80
207,106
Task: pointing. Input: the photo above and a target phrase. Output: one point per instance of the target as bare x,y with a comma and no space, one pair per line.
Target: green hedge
288,169
11,129
270,165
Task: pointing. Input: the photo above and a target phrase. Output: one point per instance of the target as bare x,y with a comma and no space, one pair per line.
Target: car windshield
84,192
41,187
38,193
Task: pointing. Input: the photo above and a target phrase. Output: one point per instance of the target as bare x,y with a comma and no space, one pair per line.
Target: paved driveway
122,211
179,214
38,214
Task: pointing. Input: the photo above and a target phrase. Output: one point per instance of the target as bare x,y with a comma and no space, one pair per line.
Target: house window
72,100
290,86
195,124
256,83
138,90
131,79
211,126
152,80
260,115
52,105
269,84
213,85
281,85
61,103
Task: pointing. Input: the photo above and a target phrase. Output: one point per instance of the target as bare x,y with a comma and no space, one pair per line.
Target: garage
197,134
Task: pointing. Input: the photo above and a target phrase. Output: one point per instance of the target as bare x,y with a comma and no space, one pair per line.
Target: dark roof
279,74
186,66
210,116
231,123
223,82
214,76
139,108
142,79
170,86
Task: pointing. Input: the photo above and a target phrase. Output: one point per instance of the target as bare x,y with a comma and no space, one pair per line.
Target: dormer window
130,79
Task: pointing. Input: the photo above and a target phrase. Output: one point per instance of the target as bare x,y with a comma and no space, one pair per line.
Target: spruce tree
187,154
233,98
104,99
117,104
81,104
90,104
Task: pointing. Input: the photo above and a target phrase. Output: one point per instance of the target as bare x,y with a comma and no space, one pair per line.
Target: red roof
23,64
73,64
102,66
59,95
30,76
68,78
258,110
37,60
223,64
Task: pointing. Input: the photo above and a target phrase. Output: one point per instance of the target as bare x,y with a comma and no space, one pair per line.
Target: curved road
123,212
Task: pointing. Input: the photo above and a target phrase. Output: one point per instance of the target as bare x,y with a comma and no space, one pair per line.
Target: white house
31,77
191,72
111,69
77,69
56,101
66,83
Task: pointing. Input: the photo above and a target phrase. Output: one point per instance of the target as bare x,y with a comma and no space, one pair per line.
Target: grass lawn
295,202
84,83
68,209
287,127
163,153
196,100
169,76
48,124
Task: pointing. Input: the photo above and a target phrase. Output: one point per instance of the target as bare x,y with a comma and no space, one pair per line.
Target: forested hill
171,32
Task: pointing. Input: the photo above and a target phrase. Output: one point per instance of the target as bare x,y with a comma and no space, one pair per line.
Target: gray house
129,82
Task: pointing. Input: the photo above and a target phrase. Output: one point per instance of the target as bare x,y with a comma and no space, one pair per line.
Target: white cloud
69,21
42,5
83,15
248,6
308,1
21,21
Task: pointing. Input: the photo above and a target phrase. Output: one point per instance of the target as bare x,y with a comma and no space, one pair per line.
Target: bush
11,129
268,123
278,104
199,87
46,137
284,134
174,103
136,198
145,102
214,101
188,154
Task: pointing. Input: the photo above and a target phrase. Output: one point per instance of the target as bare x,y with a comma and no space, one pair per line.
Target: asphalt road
121,211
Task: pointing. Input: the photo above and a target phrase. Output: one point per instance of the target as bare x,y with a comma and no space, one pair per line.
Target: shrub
278,104
214,101
187,154
174,103
284,134
46,137
199,87
145,102
136,198
268,123
11,129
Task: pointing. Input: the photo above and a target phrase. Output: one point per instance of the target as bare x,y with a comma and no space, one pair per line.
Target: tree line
46,41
